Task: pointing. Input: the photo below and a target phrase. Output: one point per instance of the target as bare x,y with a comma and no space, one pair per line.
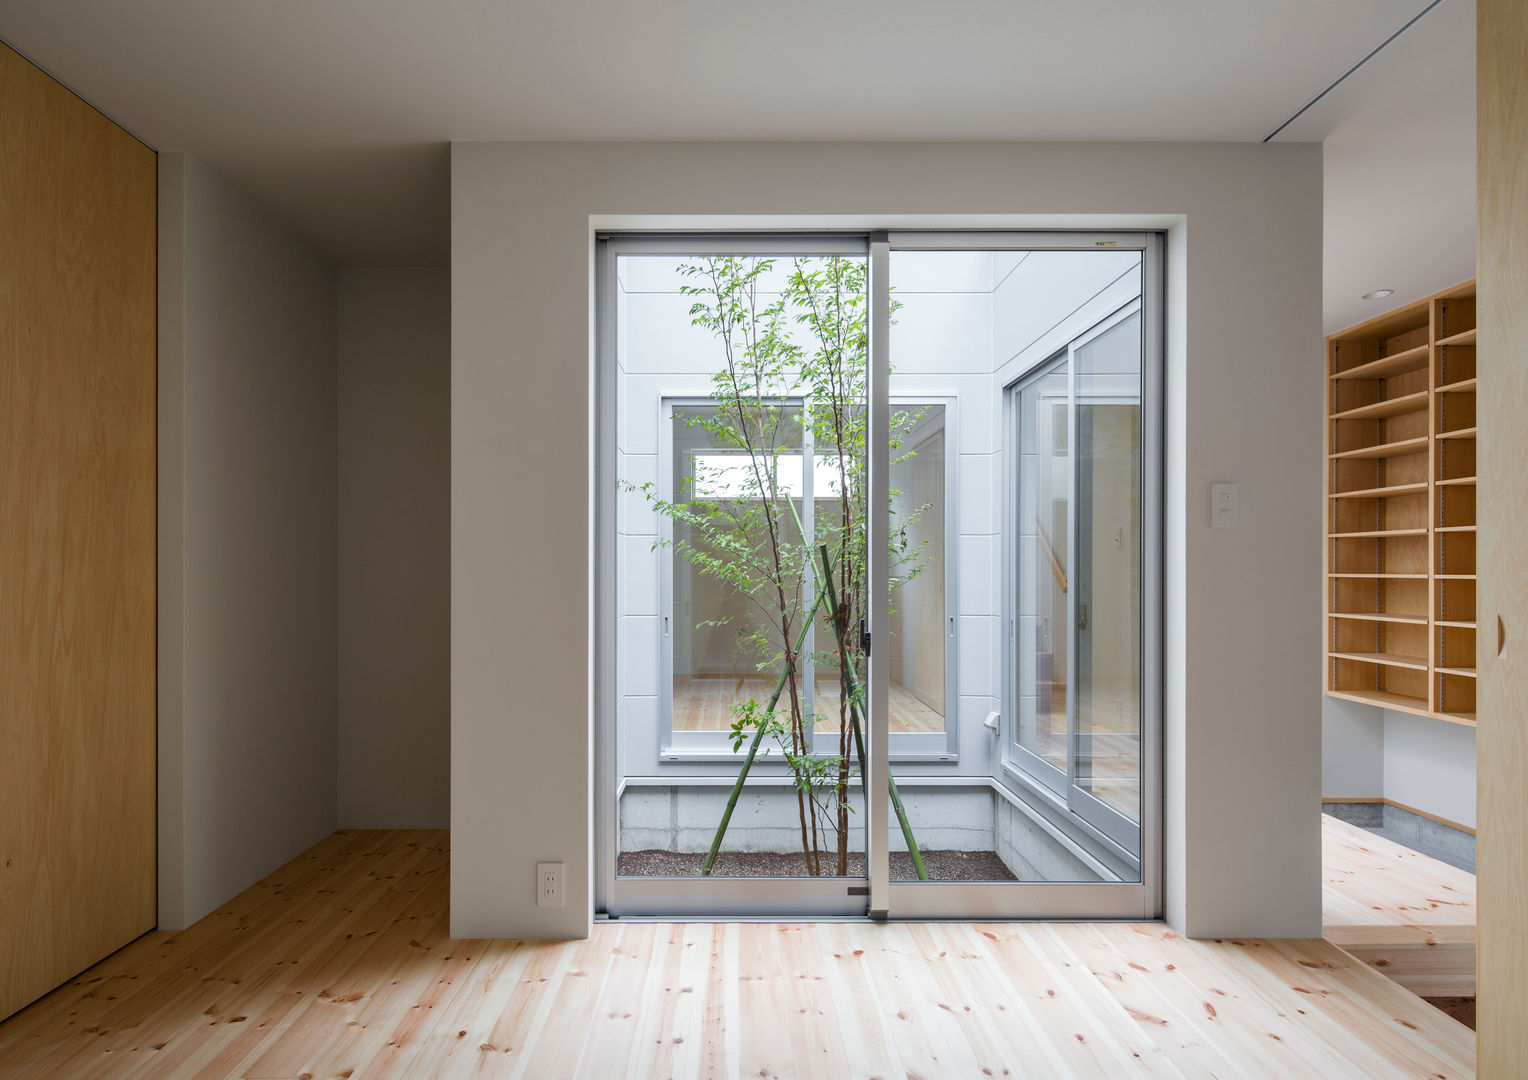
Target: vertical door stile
808,512
879,425
604,524
1072,569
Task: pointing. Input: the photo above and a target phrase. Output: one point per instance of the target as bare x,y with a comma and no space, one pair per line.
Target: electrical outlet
549,884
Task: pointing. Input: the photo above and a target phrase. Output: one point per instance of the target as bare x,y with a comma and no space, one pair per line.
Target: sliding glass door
1075,640
736,446
876,519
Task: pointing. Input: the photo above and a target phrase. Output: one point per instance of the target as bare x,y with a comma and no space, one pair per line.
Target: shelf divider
1395,449
1400,660
1377,410
1413,359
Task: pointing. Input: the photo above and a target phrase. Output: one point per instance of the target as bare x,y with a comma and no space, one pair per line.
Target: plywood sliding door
77,371
1502,708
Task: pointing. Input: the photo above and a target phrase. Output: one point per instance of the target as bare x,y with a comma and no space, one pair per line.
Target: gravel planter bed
941,865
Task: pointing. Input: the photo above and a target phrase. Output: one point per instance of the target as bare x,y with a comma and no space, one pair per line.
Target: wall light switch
1225,513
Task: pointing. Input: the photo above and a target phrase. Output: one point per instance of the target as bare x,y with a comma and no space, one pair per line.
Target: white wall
394,545
1352,750
1430,766
247,543
1419,762
1244,269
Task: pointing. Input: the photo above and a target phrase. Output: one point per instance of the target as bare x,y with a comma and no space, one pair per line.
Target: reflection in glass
724,639
1040,352
916,699
1045,491
1109,568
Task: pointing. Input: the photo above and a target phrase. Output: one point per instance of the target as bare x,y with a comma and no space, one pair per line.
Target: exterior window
716,636
721,639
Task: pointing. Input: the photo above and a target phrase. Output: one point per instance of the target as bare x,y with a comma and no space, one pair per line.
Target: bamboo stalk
753,747
853,690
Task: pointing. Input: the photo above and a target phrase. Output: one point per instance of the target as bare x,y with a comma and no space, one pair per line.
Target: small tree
793,368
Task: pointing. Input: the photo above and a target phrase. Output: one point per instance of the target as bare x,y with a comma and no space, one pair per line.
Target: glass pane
1109,568
945,670
1008,556
740,455
1045,488
724,642
917,634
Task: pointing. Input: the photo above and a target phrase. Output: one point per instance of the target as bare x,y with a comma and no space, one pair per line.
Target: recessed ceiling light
1377,294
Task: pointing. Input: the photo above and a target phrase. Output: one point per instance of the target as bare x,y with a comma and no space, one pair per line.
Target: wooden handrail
1057,570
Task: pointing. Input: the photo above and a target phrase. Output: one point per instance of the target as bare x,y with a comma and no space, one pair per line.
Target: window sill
669,756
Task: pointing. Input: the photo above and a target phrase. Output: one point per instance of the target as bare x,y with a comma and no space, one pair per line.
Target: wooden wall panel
1502,737
77,584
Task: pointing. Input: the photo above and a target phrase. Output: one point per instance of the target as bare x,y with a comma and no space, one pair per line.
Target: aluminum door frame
827,898
1141,899
676,898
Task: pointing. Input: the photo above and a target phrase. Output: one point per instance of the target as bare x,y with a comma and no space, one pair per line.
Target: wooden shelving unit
1400,509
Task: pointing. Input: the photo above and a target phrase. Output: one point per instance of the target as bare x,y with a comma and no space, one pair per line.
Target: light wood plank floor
339,966
1407,914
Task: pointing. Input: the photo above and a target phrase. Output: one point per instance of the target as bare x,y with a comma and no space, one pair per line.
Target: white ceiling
1400,168
335,113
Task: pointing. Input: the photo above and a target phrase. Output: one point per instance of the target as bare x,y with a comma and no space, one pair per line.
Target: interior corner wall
394,536
1242,723
1430,766
1352,750
247,543
1416,761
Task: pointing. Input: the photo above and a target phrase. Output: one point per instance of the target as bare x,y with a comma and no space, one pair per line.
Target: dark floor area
1461,1009
940,865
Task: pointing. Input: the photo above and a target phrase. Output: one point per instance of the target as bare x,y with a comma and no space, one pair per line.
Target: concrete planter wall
974,818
